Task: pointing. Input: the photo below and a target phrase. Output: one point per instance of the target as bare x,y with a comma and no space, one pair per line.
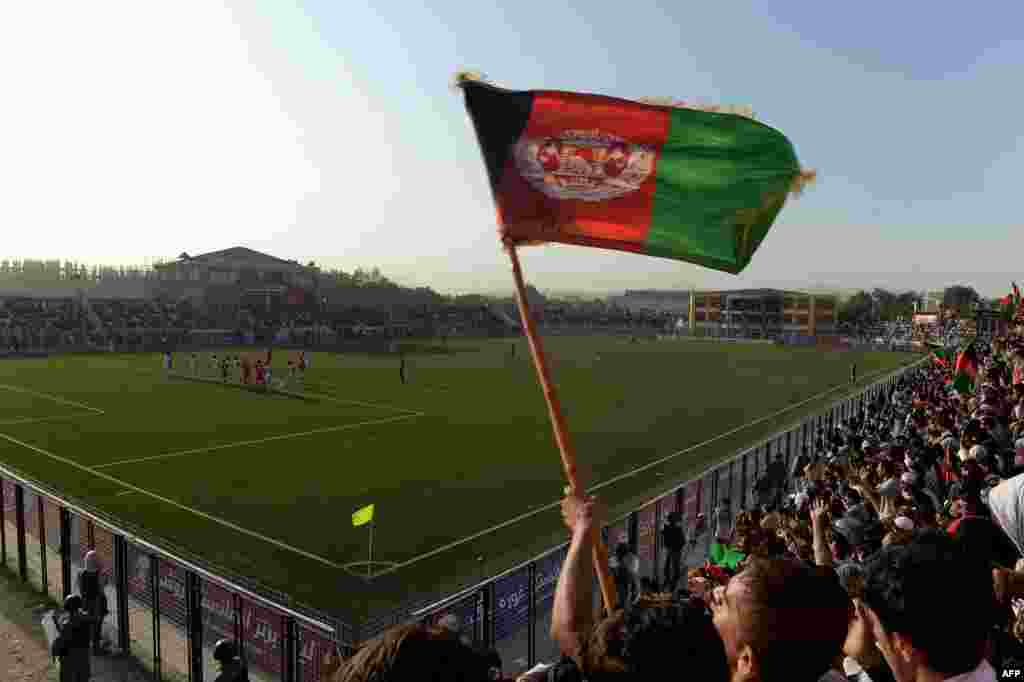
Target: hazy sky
327,130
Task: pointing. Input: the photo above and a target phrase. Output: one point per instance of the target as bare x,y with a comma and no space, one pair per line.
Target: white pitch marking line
124,492
616,479
257,441
56,399
33,420
165,500
358,402
340,401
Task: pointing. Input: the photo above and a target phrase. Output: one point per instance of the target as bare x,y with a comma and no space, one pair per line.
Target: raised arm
570,619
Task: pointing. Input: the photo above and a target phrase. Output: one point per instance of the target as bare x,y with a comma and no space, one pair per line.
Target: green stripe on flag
963,384
721,181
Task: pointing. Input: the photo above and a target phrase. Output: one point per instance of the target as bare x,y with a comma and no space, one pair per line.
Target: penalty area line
379,406
142,491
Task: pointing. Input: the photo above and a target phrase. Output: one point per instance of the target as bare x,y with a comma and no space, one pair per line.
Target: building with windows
237,277
237,265
745,313
763,313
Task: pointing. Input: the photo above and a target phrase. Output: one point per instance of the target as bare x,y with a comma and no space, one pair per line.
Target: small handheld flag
363,516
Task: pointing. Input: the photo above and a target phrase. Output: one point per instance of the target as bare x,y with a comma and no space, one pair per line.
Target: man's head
655,635
911,625
762,616
414,652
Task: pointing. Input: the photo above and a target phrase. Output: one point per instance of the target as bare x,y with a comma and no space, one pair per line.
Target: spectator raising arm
571,616
819,517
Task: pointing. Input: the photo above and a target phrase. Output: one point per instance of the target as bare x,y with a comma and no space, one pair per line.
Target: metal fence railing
164,610
167,608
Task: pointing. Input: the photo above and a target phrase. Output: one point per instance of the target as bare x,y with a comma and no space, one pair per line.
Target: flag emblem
588,165
363,516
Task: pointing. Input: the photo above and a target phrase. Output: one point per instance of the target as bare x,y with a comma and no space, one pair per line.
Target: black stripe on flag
499,118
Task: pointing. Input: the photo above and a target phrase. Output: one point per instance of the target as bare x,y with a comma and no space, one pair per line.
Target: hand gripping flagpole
565,448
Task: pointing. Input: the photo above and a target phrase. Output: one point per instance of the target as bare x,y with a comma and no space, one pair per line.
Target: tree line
882,305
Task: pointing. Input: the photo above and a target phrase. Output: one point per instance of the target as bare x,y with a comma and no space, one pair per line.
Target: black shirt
673,538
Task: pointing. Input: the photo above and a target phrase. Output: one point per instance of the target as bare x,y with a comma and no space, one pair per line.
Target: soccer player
213,364
225,363
266,377
259,372
291,370
193,364
167,360
401,368
853,373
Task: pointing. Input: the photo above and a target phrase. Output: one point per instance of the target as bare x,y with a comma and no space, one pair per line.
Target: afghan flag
692,185
965,371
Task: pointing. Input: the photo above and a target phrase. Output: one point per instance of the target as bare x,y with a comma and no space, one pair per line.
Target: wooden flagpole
565,448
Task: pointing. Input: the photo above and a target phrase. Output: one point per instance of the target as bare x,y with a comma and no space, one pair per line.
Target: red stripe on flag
559,183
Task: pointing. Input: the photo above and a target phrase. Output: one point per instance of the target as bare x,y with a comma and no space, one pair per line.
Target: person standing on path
94,601
673,539
72,645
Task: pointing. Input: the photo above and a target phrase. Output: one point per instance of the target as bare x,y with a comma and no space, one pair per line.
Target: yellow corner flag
364,515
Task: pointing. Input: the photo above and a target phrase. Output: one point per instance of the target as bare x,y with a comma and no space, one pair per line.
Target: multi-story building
237,265
752,313
763,313
237,277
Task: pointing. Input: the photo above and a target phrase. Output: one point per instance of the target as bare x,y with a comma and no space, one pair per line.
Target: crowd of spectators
890,549
604,315
26,322
47,324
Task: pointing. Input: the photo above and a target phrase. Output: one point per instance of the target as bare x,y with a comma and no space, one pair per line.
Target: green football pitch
459,461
